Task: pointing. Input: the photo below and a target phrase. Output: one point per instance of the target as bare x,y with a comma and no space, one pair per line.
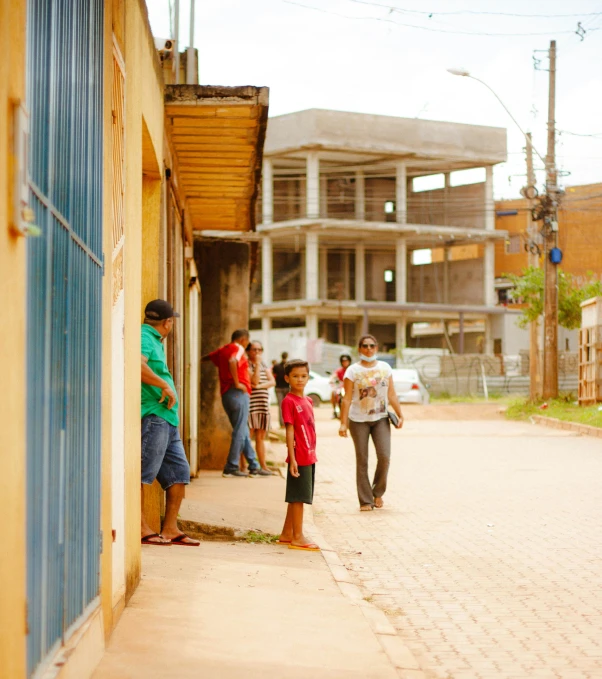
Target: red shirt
299,411
340,373
221,357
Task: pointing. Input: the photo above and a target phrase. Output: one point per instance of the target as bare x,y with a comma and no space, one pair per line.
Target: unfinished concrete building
349,241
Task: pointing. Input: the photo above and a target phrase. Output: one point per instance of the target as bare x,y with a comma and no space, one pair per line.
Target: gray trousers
280,394
380,431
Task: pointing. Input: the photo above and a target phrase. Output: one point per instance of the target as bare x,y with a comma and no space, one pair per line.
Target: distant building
351,241
579,232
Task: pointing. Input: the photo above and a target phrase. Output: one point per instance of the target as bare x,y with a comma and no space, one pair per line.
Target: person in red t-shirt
298,416
235,386
336,382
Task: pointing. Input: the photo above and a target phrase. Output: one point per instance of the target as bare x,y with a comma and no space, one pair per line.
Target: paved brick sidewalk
488,554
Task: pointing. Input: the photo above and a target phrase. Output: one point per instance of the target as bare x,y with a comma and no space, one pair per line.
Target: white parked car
318,389
409,387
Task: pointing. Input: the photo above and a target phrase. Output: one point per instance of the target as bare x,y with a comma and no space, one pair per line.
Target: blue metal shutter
64,98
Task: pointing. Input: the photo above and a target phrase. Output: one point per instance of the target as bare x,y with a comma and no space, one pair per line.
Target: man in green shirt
163,456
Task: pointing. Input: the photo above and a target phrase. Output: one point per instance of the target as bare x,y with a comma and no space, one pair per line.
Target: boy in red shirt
298,416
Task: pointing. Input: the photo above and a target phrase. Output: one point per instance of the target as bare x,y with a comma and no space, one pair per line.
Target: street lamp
465,74
550,229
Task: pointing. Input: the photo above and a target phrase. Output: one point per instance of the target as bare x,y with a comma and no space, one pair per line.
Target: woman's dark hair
344,357
295,363
365,337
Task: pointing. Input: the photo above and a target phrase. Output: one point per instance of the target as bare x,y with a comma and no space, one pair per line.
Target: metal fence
64,98
472,374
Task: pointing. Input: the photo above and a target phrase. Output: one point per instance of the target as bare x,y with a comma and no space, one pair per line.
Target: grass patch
259,537
562,408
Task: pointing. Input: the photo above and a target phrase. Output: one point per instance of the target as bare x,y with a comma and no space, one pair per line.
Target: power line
425,28
595,135
468,11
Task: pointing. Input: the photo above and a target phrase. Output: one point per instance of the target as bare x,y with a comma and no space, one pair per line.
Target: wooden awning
217,136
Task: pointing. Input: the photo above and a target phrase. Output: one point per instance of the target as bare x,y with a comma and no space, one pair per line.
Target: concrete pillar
266,327
267,275
401,197
312,191
311,323
401,271
311,265
488,349
223,268
446,254
489,274
323,196
323,278
365,322
360,273
360,195
400,340
489,203
267,194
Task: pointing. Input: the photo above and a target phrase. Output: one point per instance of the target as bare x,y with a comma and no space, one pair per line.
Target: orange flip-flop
309,547
283,542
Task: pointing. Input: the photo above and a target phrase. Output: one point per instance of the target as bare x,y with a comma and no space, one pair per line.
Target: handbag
393,418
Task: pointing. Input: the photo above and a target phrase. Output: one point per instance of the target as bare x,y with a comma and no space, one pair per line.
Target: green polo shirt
153,349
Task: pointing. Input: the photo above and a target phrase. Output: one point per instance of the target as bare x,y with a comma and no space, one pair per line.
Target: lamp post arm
508,112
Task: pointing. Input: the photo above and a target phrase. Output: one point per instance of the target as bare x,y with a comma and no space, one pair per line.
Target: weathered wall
425,282
579,238
461,206
224,276
144,130
12,357
106,559
376,264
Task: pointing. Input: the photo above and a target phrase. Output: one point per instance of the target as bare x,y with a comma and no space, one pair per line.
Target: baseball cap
160,310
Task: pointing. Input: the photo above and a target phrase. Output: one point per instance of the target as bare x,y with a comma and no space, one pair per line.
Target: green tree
528,289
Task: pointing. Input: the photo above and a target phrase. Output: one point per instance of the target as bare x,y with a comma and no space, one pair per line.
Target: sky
391,57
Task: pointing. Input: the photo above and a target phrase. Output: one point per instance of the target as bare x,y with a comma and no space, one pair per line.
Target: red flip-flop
147,540
309,547
179,540
283,542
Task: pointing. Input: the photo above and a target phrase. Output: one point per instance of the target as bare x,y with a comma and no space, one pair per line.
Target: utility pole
550,233
533,261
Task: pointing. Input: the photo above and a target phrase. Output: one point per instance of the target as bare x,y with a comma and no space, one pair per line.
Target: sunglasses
368,346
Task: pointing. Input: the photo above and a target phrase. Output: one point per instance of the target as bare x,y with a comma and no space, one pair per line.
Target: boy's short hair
239,334
295,363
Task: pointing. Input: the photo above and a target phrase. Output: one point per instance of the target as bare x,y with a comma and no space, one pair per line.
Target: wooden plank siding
217,136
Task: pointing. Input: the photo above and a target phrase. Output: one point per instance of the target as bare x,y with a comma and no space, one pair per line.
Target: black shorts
301,488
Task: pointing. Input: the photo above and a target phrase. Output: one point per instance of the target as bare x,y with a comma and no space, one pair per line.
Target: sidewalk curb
399,655
555,423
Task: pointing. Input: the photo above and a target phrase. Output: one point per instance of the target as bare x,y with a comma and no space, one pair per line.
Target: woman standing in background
259,410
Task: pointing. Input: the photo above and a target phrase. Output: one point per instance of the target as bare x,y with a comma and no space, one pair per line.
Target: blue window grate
64,97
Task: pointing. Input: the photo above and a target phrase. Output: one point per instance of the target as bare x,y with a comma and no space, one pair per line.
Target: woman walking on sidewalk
259,410
369,390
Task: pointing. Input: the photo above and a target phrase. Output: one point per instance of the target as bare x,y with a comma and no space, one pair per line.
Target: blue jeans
236,405
163,456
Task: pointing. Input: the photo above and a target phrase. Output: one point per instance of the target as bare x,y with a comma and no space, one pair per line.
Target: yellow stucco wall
106,483
144,102
12,358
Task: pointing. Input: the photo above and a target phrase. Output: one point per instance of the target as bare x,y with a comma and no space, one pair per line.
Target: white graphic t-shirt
370,386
